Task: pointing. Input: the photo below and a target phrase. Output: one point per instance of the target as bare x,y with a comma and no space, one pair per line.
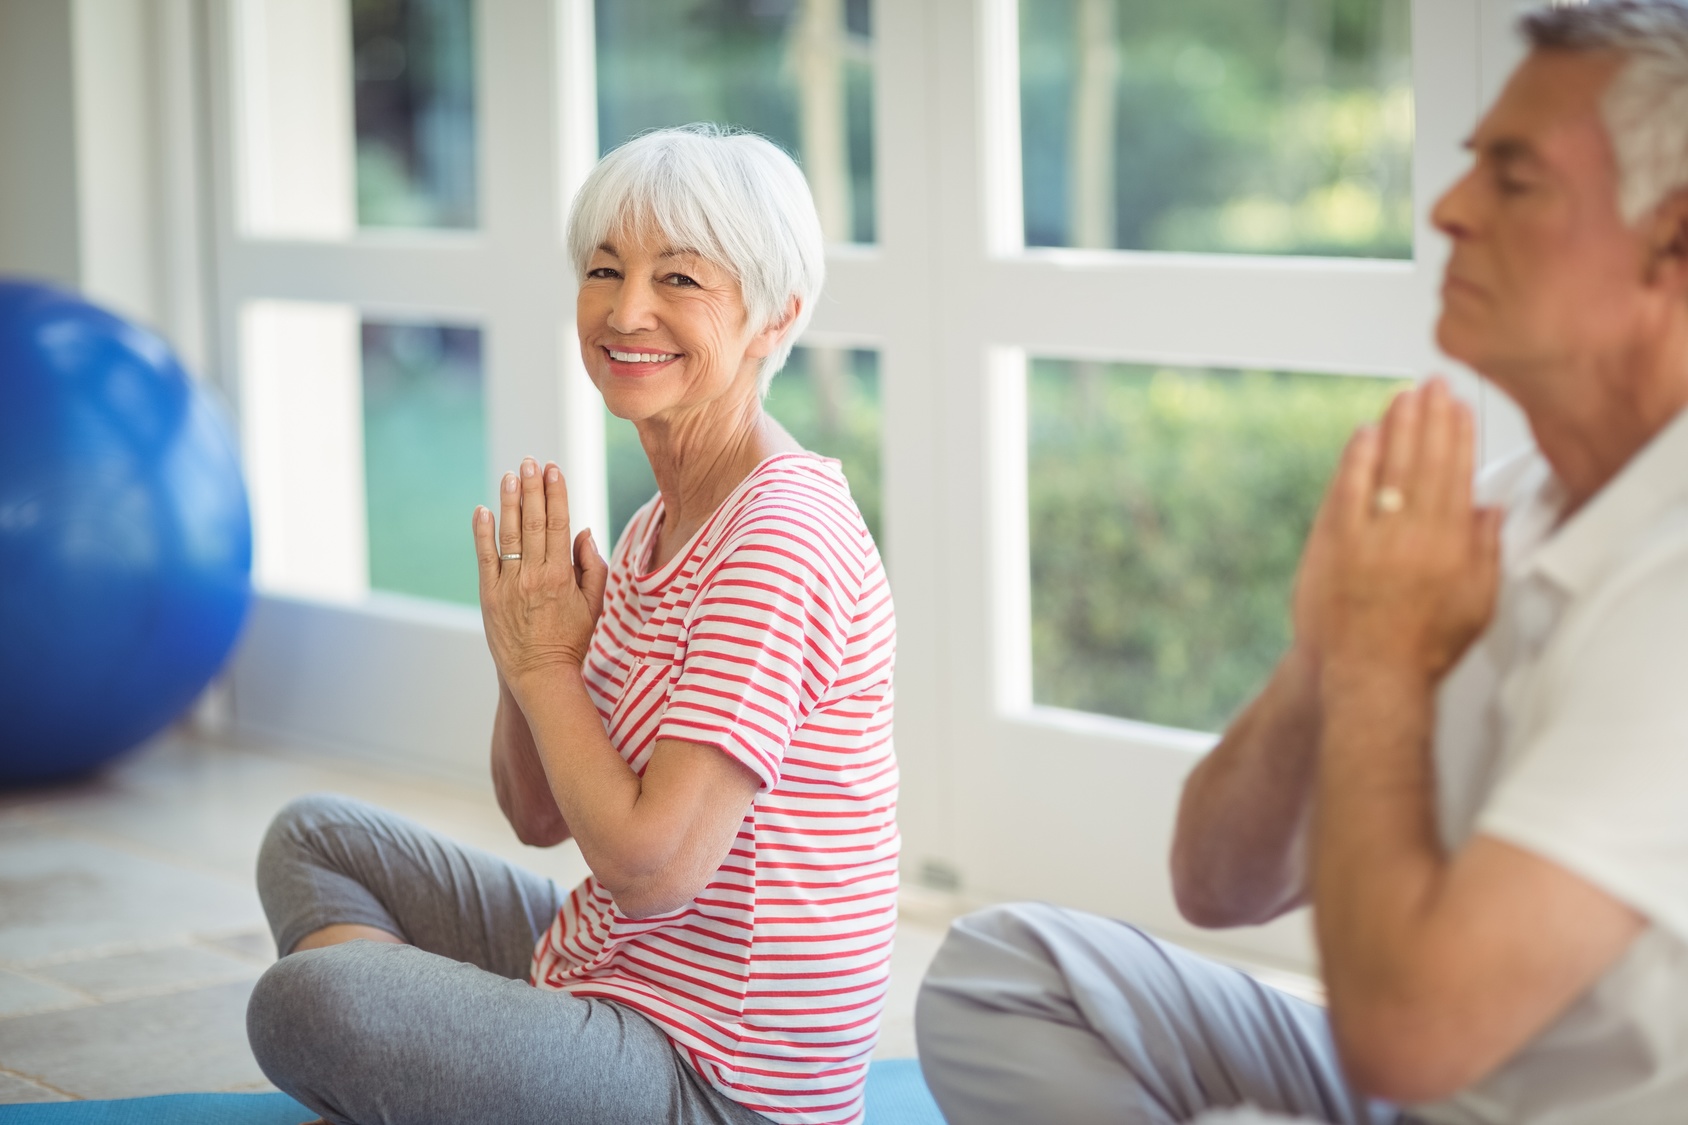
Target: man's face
1543,269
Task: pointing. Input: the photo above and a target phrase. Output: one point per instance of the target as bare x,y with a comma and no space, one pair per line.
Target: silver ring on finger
516,557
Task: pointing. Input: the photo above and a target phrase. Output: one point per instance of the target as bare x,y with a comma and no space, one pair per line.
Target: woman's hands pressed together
539,607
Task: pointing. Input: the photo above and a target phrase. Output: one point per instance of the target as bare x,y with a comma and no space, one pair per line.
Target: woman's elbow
653,896
656,881
537,834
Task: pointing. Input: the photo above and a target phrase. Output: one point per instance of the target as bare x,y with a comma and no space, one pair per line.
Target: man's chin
1461,341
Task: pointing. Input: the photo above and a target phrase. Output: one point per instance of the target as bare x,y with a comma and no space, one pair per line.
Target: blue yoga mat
896,1095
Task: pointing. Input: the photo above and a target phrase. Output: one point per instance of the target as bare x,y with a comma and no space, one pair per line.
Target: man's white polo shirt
1565,731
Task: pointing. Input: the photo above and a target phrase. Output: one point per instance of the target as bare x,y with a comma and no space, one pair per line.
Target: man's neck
1611,408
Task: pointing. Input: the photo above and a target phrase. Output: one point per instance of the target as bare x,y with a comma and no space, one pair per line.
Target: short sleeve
765,640
1602,786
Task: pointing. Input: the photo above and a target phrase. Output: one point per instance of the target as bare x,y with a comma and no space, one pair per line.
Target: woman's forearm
653,839
519,780
582,775
1237,851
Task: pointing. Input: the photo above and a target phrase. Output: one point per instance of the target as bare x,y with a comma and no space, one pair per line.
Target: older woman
707,714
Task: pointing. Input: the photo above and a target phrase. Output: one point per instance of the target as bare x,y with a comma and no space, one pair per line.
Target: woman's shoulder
798,488
799,502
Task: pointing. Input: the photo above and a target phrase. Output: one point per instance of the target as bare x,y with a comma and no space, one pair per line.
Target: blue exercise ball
125,536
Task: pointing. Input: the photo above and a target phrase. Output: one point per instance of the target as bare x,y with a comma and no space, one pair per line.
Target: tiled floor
130,933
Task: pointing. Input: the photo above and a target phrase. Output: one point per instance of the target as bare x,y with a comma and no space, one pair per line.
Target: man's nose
1452,214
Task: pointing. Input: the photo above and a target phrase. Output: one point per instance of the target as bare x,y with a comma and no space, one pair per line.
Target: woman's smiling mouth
624,362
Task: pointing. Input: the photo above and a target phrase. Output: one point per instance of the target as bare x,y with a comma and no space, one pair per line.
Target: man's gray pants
445,1029
1031,1013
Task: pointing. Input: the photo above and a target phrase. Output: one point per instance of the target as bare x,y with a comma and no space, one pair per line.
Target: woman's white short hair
733,196
1646,106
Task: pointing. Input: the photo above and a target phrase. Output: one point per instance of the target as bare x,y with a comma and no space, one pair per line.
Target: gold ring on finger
1388,500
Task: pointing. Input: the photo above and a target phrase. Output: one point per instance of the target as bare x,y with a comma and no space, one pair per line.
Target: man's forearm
1237,855
1377,860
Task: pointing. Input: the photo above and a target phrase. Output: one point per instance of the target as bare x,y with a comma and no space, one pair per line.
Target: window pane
413,62
1168,507
424,440
1272,127
800,72
828,398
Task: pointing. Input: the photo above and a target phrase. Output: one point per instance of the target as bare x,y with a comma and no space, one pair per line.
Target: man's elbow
1205,902
1201,907
1402,1053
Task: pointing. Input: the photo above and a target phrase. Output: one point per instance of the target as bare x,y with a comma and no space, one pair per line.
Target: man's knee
984,956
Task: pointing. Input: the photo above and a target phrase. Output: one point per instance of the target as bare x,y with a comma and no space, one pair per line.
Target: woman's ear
765,341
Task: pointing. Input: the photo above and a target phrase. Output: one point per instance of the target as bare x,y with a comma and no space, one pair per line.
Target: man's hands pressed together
1438,966
1406,568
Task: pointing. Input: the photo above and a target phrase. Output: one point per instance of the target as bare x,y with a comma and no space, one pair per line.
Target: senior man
1474,760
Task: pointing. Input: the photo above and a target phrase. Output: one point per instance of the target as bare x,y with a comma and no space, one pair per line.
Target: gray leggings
1034,1013
446,1028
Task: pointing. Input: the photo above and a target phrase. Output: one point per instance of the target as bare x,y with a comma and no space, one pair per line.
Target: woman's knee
290,1015
288,840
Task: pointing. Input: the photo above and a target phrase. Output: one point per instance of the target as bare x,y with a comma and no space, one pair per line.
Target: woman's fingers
509,516
533,514
486,545
556,515
591,572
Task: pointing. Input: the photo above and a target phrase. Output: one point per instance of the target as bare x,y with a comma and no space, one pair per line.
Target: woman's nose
634,308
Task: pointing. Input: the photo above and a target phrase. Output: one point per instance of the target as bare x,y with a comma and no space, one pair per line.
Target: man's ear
768,339
1667,252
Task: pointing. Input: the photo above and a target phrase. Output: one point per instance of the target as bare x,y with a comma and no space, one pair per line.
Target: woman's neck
699,457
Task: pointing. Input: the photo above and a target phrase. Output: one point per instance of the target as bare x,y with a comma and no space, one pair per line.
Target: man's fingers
1487,523
1400,442
556,514
1433,476
1464,467
533,514
509,515
1351,492
486,545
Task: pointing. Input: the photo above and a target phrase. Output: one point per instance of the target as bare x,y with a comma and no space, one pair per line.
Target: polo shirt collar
1584,548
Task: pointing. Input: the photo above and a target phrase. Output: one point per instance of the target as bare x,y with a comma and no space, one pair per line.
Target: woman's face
663,329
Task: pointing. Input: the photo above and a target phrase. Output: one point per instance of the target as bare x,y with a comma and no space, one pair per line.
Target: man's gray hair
1646,107
732,196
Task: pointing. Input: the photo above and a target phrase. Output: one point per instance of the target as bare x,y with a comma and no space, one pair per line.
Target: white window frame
1010,799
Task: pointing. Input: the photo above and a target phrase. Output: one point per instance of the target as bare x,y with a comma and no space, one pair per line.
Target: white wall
100,170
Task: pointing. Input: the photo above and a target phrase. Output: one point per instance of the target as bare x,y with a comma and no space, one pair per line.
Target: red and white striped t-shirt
769,636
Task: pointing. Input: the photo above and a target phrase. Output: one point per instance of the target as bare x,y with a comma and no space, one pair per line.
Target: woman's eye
681,281
602,272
